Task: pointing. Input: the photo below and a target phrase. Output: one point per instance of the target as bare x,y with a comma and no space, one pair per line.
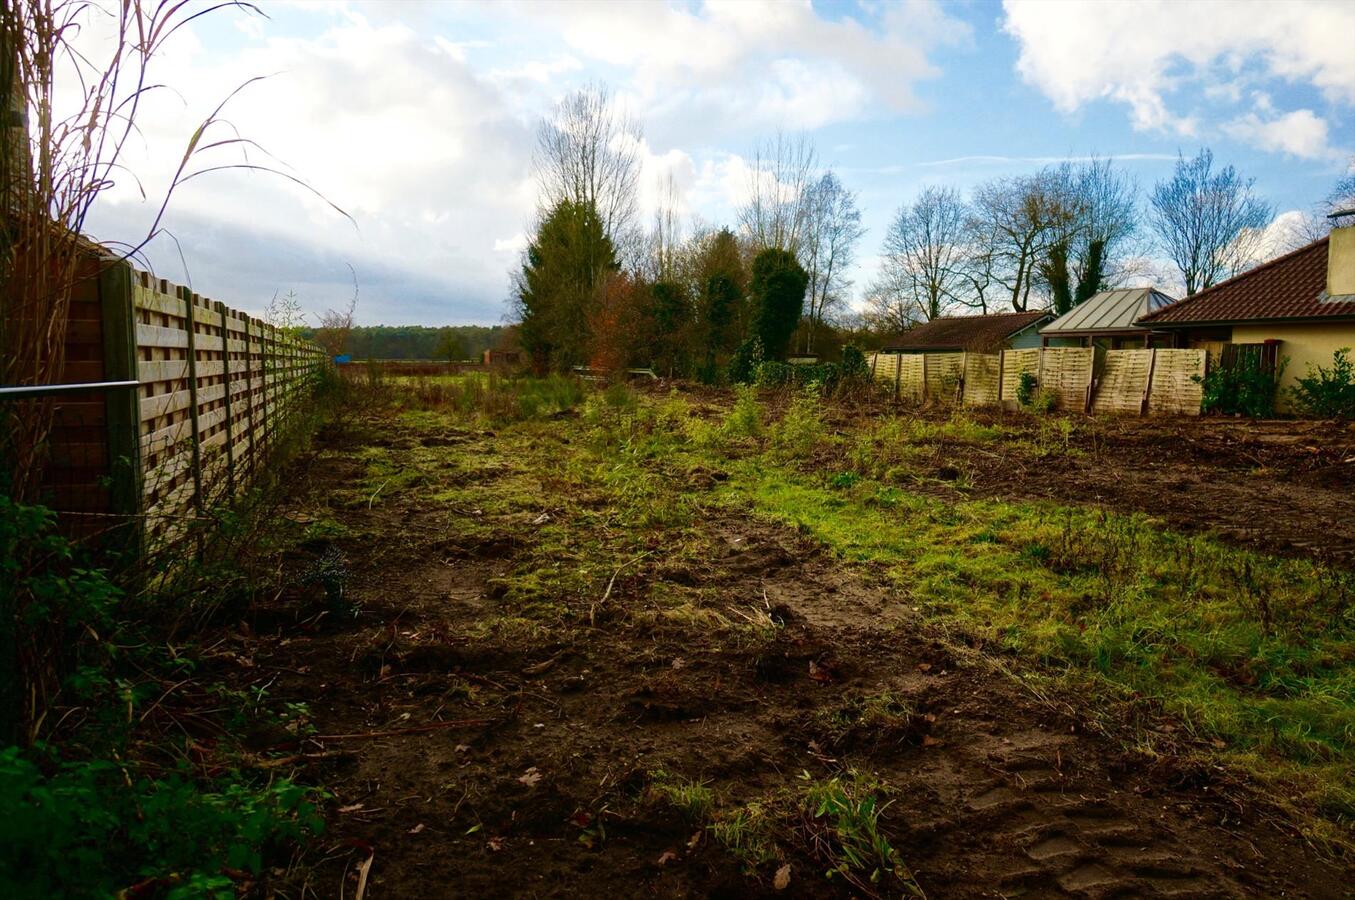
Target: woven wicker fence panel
1124,381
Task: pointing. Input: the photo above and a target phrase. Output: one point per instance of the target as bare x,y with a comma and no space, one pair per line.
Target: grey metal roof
1109,311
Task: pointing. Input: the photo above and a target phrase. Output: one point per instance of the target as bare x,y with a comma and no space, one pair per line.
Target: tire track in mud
1022,802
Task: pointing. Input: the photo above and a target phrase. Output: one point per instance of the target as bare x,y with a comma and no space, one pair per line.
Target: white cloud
1300,133
428,155
758,62
1142,53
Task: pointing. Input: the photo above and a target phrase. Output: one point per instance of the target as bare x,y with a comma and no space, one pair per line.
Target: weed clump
800,430
745,418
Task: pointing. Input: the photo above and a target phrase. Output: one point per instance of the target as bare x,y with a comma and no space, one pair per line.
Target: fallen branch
592,610
298,758
393,732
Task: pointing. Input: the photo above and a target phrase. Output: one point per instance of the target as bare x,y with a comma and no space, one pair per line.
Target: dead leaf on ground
531,777
352,807
696,839
782,879
667,856
416,829
495,844
929,741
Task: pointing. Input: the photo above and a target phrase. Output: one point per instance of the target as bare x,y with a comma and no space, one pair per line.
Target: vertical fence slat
122,415
195,445
226,380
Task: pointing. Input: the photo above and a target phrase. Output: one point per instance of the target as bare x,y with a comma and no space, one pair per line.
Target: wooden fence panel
911,370
982,378
1067,372
1123,385
217,389
943,373
1016,363
1174,387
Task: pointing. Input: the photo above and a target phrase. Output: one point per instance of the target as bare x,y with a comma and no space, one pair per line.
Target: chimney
1341,255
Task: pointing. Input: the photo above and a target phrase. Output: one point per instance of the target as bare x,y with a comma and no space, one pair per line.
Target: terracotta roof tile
1292,286
965,332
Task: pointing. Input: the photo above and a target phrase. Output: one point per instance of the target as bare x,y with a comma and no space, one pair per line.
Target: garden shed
1110,320
982,334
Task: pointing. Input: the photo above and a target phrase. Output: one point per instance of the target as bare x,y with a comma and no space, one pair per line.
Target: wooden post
253,429
924,376
874,363
122,407
187,295
265,426
898,373
1001,373
1091,377
1148,383
226,380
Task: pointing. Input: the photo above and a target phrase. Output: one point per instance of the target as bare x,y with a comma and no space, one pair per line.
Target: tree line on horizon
599,288
453,343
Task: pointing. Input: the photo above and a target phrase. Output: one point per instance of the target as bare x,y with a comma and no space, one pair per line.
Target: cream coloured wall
1341,261
1304,345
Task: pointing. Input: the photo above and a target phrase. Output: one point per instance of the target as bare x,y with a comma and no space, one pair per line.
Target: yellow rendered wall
1304,345
1341,261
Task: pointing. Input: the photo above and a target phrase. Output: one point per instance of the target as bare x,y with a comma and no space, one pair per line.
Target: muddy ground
468,755
1280,486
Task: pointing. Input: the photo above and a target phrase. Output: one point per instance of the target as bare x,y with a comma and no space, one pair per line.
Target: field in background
707,636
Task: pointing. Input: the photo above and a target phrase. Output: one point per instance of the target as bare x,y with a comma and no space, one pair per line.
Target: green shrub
1030,396
800,429
772,373
746,360
1328,393
745,419
830,378
49,602
91,829
1247,388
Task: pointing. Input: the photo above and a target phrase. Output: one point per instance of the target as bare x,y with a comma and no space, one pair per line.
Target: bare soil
473,761
1285,487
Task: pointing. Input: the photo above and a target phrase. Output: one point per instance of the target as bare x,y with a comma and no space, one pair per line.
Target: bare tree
779,178
924,257
588,151
1315,225
1209,223
1103,203
977,269
832,230
666,239
1342,196
336,325
1024,217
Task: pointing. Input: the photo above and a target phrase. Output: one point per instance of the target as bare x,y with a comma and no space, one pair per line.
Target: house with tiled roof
1298,308
981,334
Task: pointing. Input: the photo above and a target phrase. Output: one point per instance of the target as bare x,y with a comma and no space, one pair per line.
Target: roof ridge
1268,264
1015,312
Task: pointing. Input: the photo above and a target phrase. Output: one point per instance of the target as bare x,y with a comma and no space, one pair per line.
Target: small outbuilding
1110,320
977,334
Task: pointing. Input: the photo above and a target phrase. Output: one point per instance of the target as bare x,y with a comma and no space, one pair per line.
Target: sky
418,120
